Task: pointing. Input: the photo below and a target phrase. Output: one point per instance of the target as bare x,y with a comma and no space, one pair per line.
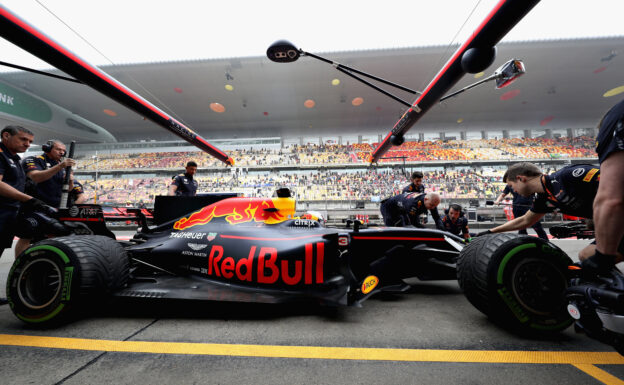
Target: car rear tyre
54,277
518,281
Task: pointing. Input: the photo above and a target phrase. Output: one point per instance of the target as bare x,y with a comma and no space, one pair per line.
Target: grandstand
331,177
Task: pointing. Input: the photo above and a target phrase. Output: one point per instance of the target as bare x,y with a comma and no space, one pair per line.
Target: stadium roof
564,87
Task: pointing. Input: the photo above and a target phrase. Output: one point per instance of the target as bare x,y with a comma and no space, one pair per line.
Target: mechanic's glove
598,264
486,232
55,228
38,206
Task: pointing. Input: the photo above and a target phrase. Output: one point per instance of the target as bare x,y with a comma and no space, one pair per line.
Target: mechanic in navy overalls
14,140
184,184
609,203
76,192
416,186
47,171
520,205
404,209
455,222
571,190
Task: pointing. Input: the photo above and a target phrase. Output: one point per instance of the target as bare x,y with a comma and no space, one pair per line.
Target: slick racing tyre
518,281
52,278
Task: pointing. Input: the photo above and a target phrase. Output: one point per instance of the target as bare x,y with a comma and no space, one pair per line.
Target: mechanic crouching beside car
455,222
405,209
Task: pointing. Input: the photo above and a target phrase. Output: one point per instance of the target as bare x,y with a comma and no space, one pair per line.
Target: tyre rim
538,285
39,283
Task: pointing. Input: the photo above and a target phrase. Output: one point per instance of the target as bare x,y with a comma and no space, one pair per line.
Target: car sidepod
249,263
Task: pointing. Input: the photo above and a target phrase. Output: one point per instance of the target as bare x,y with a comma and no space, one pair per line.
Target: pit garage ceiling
566,86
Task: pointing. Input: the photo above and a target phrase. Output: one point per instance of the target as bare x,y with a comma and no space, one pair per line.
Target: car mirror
509,72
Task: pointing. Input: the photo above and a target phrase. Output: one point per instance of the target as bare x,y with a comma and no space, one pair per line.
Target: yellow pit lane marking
320,352
599,374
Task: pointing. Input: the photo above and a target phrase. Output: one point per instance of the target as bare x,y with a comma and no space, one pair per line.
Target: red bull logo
241,210
263,265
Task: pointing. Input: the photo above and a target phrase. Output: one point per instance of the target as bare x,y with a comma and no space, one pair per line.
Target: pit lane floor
430,335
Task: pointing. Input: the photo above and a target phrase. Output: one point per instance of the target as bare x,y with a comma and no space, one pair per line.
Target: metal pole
97,165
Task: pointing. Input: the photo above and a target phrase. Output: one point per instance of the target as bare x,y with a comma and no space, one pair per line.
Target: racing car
249,249
235,249
256,250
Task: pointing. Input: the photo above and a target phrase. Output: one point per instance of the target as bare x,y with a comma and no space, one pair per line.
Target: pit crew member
571,190
416,185
185,184
609,202
76,191
520,205
47,171
404,209
455,222
14,140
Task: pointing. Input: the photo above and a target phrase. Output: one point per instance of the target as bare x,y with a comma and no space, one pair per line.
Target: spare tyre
518,281
54,277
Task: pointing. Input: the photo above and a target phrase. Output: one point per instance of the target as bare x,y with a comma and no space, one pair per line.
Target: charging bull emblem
241,210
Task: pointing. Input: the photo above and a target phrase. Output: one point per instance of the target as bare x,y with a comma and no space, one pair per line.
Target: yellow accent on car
369,284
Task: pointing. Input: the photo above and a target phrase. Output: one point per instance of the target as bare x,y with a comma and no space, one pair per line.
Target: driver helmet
314,215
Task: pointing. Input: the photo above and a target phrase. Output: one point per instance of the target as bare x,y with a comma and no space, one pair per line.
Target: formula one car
236,249
244,249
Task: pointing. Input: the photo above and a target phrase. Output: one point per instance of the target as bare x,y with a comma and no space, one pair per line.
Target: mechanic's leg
7,229
523,232
21,245
539,229
587,252
382,211
609,205
387,218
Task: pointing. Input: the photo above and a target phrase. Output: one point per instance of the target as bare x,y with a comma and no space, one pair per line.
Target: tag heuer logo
196,246
211,236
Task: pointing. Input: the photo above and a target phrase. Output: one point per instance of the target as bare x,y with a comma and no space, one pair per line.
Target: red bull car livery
236,249
239,210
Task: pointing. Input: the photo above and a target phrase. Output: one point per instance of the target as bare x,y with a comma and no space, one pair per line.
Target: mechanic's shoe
598,264
3,301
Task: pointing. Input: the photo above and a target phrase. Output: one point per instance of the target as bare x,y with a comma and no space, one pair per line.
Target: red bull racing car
256,250
236,249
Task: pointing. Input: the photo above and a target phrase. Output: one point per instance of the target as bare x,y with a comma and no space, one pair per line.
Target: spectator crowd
452,150
328,184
